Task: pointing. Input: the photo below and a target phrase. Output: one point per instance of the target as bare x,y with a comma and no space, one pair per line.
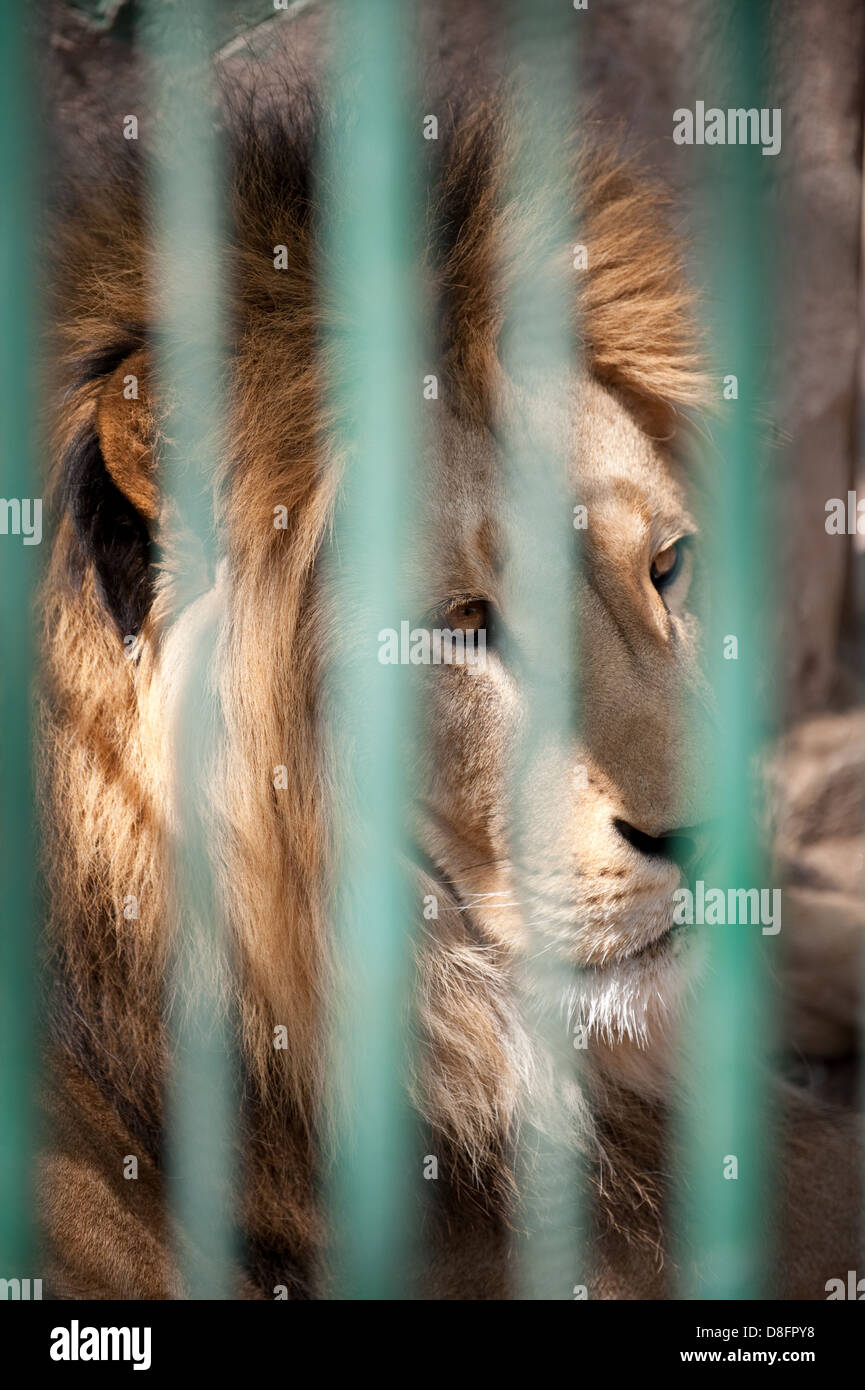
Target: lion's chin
641,995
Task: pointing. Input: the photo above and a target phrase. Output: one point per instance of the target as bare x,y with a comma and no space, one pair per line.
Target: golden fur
105,775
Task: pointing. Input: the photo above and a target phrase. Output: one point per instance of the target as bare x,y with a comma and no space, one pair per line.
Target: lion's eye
467,615
667,565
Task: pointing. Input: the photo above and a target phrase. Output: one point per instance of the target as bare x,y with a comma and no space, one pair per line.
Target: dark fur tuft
110,534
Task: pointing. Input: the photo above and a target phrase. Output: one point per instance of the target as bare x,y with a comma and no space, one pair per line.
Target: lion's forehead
624,483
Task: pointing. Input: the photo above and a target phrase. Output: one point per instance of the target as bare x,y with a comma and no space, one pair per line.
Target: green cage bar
189,277
539,356
723,1199
369,273
20,486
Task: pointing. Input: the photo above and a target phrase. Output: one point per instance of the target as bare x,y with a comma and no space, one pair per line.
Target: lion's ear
124,424
110,492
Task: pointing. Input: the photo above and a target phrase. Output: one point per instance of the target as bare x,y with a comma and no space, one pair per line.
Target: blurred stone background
640,61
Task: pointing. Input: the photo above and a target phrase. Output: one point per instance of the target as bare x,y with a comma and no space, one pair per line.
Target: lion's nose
685,846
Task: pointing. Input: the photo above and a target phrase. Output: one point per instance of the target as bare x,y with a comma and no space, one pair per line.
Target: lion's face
619,822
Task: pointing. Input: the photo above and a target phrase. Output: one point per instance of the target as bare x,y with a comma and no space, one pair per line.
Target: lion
114,646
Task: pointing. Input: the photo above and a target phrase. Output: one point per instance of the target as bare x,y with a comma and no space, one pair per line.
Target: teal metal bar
540,359
369,271
19,480
723,1207
190,282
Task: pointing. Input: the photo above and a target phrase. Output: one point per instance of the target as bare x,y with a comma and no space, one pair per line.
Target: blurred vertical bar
859,608
19,235
189,285
539,359
723,1209
370,268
